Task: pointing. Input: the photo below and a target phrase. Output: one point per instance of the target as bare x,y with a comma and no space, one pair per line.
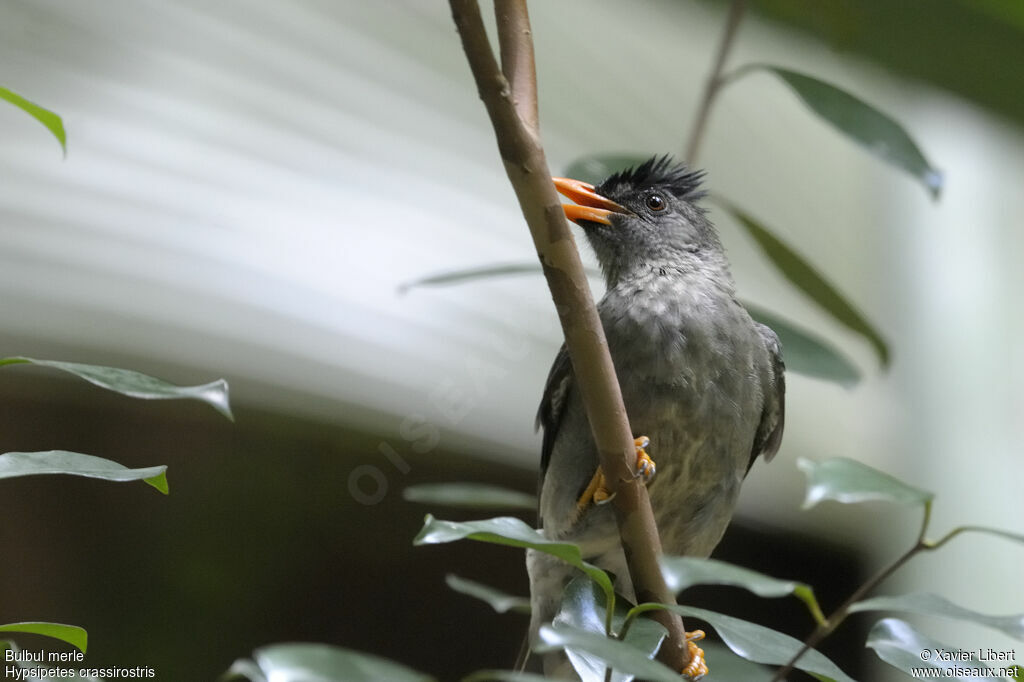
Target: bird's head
645,217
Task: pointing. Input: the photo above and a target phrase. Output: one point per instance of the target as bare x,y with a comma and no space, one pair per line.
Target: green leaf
49,119
848,481
137,385
806,278
506,530
470,274
597,167
619,655
683,572
583,608
243,669
470,495
861,122
466,275
728,667
72,634
806,353
503,676
902,647
762,645
499,601
929,604
13,464
302,662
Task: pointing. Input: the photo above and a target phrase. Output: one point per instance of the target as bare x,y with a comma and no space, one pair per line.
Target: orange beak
592,206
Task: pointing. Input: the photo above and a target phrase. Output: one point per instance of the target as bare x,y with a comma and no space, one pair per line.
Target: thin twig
528,172
515,43
839,615
714,81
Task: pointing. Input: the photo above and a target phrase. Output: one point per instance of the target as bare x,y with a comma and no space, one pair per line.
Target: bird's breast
688,361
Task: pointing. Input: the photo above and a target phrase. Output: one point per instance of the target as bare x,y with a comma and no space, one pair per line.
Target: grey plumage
699,377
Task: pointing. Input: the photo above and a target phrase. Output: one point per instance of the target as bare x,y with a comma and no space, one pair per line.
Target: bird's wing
552,405
773,416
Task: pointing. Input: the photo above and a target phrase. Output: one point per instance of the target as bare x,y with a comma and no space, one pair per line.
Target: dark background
260,541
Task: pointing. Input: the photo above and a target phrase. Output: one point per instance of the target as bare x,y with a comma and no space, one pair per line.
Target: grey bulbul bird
702,383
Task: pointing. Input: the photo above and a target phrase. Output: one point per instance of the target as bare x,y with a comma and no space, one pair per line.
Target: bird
703,384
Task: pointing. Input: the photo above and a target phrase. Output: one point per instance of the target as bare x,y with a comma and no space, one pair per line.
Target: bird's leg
597,490
697,667
644,464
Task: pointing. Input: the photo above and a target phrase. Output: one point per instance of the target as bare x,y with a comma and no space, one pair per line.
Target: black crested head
656,173
661,228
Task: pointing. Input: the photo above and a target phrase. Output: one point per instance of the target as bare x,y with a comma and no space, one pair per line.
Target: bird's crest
658,172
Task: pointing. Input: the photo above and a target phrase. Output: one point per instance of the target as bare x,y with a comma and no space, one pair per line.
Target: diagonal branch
715,80
515,43
520,149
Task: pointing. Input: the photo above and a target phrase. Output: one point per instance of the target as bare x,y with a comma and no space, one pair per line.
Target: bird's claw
597,490
697,667
602,495
644,464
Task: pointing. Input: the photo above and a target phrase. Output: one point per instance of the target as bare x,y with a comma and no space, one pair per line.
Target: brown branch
515,43
715,81
836,618
528,172
825,629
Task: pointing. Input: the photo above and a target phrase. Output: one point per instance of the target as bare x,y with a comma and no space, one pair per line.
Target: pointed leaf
864,124
848,481
763,645
499,601
503,676
805,353
301,662
929,604
49,119
137,385
470,274
618,655
506,530
806,278
72,634
906,649
13,464
583,608
243,669
466,275
470,495
683,572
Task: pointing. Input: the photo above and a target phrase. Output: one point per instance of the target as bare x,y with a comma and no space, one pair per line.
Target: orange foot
644,464
697,667
597,491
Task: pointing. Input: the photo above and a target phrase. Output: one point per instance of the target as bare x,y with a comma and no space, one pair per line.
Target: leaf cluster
605,637
17,464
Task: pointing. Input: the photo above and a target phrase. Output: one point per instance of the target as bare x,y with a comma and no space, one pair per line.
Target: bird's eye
656,202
